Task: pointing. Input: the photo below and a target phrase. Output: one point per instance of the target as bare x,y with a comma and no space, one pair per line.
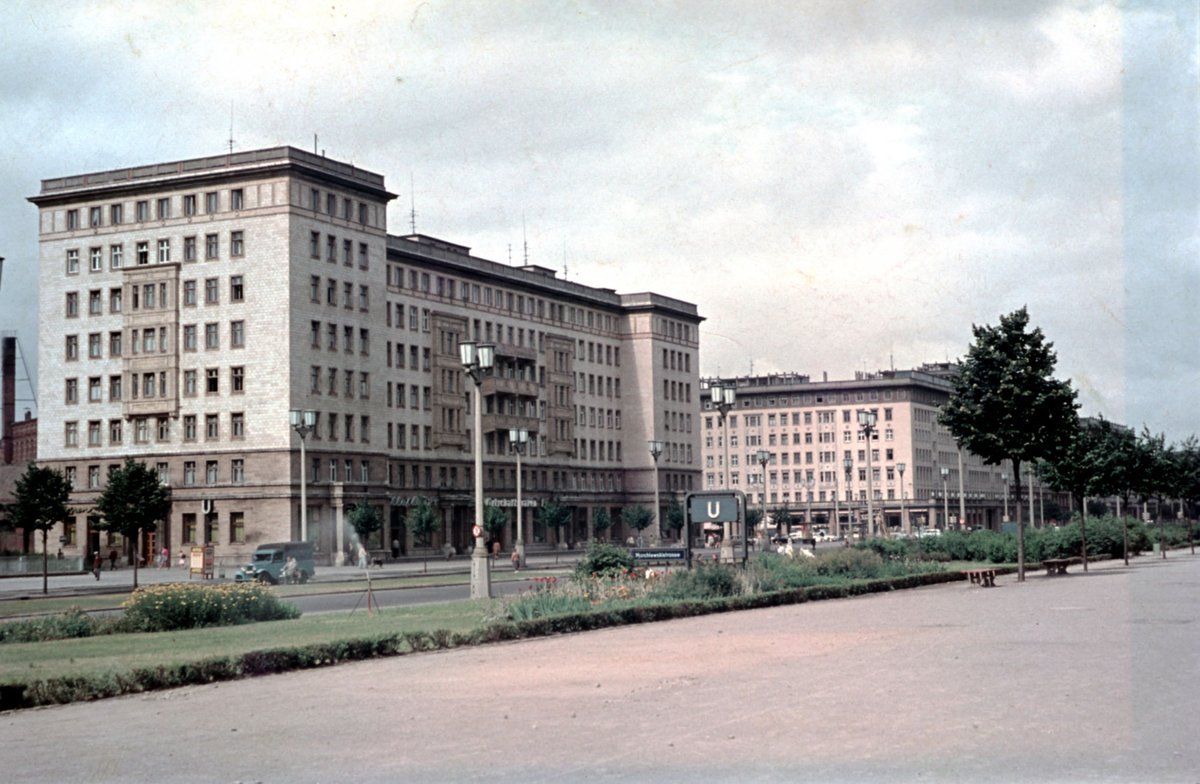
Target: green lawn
11,608
22,662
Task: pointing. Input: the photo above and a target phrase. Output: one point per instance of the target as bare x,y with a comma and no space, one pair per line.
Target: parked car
271,560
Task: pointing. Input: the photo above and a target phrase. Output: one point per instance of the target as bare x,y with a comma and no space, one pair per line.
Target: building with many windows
796,446
187,308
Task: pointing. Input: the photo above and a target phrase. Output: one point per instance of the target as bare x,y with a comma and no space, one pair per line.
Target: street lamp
945,499
303,422
866,419
809,484
762,457
962,496
478,359
518,439
849,465
1006,498
724,394
656,449
904,523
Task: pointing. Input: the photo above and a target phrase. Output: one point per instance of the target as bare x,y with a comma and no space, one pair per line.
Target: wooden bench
1056,566
984,577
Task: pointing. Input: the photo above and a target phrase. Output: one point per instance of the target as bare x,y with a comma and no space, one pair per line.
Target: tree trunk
45,563
1020,523
1083,534
137,540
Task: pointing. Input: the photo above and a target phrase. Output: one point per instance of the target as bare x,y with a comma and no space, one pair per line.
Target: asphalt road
399,597
1085,678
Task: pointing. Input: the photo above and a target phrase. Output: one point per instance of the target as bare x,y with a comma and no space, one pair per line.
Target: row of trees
133,501
1007,405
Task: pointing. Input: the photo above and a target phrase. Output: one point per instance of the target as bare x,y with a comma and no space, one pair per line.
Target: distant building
187,307
817,452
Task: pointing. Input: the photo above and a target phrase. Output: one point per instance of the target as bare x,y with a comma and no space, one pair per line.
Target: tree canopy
134,500
40,503
365,520
1006,403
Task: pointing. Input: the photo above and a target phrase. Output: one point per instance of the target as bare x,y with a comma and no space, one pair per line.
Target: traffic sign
714,507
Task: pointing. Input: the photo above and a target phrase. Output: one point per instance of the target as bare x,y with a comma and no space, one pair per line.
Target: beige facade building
186,308
816,453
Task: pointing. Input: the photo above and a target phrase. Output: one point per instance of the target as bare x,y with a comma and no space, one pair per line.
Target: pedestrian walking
97,562
112,559
165,562
395,549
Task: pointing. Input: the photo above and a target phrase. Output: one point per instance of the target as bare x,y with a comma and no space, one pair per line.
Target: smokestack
8,396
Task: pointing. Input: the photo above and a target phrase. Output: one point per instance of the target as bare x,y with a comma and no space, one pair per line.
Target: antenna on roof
230,139
524,239
412,195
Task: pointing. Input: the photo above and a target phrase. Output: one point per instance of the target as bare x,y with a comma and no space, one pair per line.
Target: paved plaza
1088,677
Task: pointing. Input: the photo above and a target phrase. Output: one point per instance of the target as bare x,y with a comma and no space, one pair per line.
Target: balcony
497,385
494,422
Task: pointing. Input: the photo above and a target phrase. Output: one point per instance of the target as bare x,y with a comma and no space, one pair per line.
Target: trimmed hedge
53,691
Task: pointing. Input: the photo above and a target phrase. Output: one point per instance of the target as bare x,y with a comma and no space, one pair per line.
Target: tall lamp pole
656,448
905,525
303,422
519,439
837,512
809,483
762,457
849,465
945,499
1006,498
962,496
866,419
724,394
477,360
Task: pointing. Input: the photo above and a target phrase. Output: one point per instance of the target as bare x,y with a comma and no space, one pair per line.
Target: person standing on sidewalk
97,562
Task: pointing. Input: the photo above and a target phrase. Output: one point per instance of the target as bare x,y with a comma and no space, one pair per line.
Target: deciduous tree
40,503
133,501
1007,405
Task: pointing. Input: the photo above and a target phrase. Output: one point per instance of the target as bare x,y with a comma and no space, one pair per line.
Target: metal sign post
725,506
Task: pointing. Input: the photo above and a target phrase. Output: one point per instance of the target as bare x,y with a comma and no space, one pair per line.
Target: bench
984,577
1056,566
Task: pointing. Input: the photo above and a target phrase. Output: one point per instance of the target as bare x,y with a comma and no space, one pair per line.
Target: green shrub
602,559
703,582
161,608
72,623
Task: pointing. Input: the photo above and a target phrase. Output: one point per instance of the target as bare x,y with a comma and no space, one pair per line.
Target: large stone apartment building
186,308
805,436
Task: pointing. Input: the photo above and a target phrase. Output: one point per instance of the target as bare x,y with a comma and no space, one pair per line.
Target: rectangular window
142,211
236,199
72,219
237,475
189,337
210,472
72,307
237,425
95,345
212,381
189,383
115,431
210,202
189,204
189,249
189,427
363,256
73,261
95,390
237,379
114,388
314,244
189,293
211,296
143,253
237,334
116,214
237,244
95,303
211,336
94,433
212,247
71,394
96,259
71,433
330,248
116,255
212,427
164,209
347,252
95,216
114,343
72,347
237,289
164,251
163,426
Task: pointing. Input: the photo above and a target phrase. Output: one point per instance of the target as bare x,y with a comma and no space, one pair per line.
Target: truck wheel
265,579
303,577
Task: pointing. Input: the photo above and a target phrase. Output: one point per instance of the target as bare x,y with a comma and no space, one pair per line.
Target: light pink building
806,437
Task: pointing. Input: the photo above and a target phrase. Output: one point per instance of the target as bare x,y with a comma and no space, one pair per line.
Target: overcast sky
837,185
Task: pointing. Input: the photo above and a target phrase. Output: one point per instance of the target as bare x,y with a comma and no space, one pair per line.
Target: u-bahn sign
722,507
